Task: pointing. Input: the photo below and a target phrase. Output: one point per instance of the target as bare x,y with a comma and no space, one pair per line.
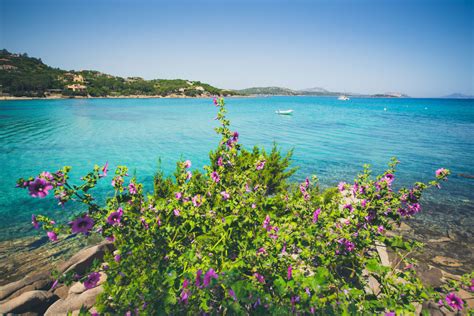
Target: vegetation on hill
21,75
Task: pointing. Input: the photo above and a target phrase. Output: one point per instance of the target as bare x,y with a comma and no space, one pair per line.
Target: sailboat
343,98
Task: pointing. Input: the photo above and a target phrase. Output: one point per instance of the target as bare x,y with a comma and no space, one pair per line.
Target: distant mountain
21,75
458,96
267,91
315,89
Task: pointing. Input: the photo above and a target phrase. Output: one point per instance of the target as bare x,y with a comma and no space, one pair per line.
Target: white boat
284,112
343,98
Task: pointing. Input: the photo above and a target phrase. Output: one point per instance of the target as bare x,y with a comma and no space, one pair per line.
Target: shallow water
331,138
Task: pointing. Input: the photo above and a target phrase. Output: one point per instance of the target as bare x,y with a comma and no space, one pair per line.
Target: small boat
284,112
343,98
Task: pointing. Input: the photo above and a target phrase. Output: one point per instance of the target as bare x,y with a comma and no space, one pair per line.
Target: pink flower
261,251
215,101
363,203
341,186
266,223
210,274
198,278
197,200
39,188
454,301
471,288
260,165
316,215
220,162
232,294
105,168
235,137
178,195
441,172
215,177
254,206
176,212
290,272
225,195
34,222
52,236
187,164
92,280
347,207
132,188
189,175
389,178
380,229
259,277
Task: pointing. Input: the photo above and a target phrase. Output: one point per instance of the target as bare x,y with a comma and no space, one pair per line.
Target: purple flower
363,203
55,283
52,236
316,215
259,277
184,296
235,137
82,225
117,258
187,164
380,229
215,101
132,188
232,294
176,212
307,291
92,280
347,207
390,314
266,223
454,301
115,217
471,288
39,188
348,245
178,195
198,278
260,165
215,177
210,274
220,162
225,195
261,250
104,170
290,272
34,222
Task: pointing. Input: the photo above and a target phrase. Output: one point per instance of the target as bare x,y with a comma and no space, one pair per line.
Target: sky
421,48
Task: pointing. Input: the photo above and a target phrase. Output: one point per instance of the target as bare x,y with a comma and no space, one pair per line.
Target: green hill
21,75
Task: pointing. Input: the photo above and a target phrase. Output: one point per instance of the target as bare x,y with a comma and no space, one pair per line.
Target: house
76,87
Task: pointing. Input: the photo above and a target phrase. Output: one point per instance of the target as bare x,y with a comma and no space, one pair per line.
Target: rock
468,298
62,291
33,301
438,240
430,275
445,261
382,251
432,308
81,261
74,302
37,281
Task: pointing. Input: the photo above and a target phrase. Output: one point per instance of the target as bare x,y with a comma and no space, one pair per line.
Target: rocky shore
26,284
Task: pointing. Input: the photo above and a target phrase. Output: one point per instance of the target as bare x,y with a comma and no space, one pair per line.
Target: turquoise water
331,138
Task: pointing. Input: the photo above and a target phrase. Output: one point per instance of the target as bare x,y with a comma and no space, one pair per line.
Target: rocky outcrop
32,301
74,302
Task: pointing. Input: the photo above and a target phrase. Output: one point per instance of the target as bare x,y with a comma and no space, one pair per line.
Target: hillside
267,91
21,75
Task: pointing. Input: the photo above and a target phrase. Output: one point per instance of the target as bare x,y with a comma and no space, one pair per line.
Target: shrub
240,239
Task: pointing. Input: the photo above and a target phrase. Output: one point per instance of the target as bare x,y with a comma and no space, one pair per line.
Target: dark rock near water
35,281
33,301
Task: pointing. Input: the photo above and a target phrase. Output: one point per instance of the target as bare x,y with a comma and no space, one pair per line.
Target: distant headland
24,77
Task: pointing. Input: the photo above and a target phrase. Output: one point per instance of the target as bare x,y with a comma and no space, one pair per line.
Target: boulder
445,261
81,261
62,291
35,281
74,302
33,301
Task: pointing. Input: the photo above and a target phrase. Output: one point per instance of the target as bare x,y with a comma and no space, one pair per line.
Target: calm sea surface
331,138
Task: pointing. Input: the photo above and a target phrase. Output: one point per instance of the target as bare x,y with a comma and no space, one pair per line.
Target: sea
331,139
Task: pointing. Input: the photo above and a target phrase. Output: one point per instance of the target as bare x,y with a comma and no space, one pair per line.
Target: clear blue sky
422,48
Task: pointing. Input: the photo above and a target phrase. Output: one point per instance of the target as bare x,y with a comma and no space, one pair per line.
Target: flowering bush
239,238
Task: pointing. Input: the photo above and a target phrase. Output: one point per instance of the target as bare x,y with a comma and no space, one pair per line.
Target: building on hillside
76,87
